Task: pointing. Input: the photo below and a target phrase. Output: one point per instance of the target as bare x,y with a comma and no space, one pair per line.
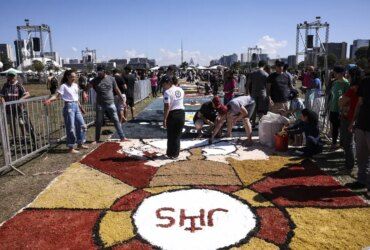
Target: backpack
53,83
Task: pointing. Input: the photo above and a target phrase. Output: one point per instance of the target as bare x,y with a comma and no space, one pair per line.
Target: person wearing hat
13,90
174,115
207,114
340,86
241,108
278,89
104,85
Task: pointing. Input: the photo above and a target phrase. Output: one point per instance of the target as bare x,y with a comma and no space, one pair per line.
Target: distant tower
182,53
191,62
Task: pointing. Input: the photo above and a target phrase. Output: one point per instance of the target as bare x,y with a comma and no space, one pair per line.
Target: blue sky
154,28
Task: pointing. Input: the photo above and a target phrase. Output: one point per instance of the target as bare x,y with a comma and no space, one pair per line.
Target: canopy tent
155,68
11,70
217,67
202,67
45,61
190,68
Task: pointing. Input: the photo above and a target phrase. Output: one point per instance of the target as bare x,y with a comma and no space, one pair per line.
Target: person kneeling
309,126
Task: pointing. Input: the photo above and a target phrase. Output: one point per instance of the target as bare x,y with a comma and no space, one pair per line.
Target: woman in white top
72,111
174,114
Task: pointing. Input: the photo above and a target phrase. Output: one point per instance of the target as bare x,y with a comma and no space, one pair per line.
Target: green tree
235,66
7,64
38,66
362,62
184,65
301,65
332,60
361,53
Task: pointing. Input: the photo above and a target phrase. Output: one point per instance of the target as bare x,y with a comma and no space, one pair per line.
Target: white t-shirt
174,96
69,93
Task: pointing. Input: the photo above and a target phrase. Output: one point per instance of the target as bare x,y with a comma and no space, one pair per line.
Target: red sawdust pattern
225,189
49,229
133,244
127,169
130,201
306,185
274,225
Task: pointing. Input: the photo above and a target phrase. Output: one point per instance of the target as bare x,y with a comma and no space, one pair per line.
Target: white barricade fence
28,127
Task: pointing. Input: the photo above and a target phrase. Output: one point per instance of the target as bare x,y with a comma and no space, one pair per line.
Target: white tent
11,70
218,67
155,68
29,62
201,67
190,68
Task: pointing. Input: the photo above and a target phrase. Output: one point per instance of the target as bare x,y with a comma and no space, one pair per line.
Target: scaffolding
88,56
35,42
254,54
311,52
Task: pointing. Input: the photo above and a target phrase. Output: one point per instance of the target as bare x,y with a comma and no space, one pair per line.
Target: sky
208,28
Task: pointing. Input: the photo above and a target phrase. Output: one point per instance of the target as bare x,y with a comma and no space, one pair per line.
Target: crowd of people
347,99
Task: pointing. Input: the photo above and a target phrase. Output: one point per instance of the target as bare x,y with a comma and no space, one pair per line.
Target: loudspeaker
310,41
254,57
36,44
89,58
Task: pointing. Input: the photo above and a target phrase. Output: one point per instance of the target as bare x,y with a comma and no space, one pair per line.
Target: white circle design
219,220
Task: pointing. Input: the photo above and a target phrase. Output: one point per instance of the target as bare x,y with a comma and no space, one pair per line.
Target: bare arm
355,115
118,92
165,114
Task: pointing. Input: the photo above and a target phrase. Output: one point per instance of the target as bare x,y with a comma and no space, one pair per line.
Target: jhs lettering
171,221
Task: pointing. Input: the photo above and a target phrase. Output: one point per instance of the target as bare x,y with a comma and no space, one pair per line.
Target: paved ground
225,195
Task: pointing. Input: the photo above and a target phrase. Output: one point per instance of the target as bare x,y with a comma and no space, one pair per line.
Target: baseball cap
216,101
11,73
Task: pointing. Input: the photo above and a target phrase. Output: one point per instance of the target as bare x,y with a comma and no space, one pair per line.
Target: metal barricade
142,90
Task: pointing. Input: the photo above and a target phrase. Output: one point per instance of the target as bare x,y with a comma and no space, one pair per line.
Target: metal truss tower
38,36
254,51
88,55
312,34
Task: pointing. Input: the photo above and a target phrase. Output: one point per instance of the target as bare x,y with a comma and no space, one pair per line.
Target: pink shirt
307,80
153,81
230,86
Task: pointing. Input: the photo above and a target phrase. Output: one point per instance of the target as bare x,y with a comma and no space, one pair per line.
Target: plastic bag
269,125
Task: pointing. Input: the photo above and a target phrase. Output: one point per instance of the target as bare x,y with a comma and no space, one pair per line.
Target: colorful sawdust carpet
223,196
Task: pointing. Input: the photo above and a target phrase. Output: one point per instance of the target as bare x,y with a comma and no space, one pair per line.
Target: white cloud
131,53
168,57
74,49
270,45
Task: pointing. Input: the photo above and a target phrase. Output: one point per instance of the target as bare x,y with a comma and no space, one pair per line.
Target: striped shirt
12,92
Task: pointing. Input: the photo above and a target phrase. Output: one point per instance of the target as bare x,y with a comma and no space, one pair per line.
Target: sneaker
355,185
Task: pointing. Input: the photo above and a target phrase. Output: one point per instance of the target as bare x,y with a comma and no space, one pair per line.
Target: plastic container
281,142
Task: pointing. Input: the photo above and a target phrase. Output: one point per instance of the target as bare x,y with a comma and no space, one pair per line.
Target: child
309,126
296,104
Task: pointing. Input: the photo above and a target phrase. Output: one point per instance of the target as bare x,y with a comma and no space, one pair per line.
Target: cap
339,69
11,73
216,101
222,109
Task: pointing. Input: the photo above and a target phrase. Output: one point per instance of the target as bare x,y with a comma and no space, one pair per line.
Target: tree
7,64
184,65
301,65
361,53
37,66
332,60
235,66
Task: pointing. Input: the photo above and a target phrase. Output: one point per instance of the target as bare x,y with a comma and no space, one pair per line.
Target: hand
271,102
1,100
47,102
165,123
83,111
85,97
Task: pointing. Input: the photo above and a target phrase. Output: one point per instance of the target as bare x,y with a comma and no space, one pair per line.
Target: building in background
359,43
214,62
6,50
53,56
292,61
228,60
337,49
141,63
120,63
74,61
244,58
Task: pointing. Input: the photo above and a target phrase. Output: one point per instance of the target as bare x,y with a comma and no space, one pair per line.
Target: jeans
348,145
362,139
75,124
112,112
313,146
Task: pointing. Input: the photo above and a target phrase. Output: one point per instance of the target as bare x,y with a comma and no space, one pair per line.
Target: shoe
82,147
355,185
73,151
210,141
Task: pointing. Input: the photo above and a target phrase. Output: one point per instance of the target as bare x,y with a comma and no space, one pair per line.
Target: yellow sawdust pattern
82,187
256,243
196,154
115,227
195,172
253,198
250,171
157,190
330,228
